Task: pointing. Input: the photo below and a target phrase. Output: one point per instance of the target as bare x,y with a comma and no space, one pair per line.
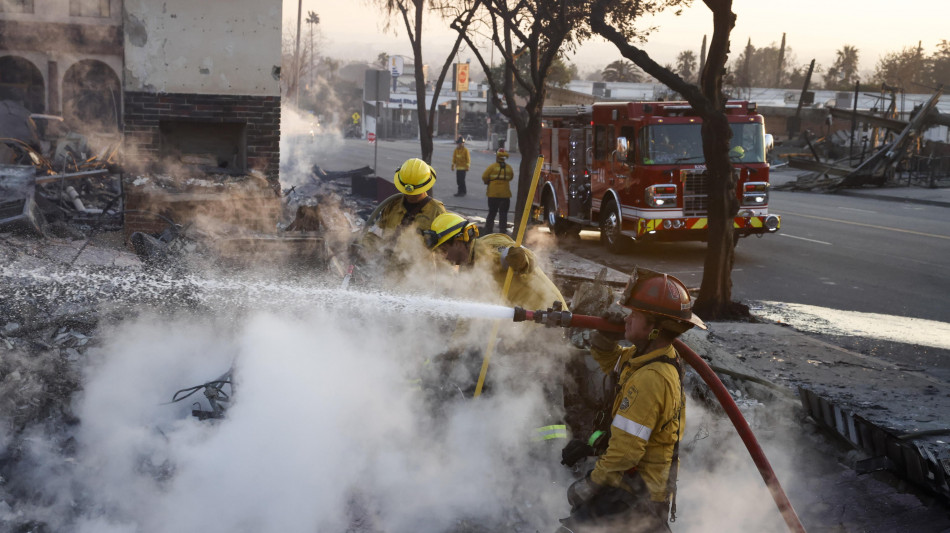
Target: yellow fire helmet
414,176
447,226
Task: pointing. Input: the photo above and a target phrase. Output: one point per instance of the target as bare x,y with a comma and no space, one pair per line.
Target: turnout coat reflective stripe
647,417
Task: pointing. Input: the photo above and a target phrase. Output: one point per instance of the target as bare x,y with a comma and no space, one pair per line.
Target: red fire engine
636,170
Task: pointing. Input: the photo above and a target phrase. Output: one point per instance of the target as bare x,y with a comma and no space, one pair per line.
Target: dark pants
499,206
460,179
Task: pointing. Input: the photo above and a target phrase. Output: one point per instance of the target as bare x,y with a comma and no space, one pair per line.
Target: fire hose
558,318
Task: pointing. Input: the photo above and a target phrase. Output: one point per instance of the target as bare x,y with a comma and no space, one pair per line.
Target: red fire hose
567,319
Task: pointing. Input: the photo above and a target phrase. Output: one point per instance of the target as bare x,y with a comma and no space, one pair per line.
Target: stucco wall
202,47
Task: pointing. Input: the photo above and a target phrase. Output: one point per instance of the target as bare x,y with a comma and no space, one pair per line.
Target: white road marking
861,210
803,238
870,225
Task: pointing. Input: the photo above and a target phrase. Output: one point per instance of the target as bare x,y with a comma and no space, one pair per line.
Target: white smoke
329,428
304,141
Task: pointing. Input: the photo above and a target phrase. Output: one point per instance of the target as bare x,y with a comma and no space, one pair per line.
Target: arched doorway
22,82
91,94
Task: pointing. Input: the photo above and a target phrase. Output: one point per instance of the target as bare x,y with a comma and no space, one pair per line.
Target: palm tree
686,64
312,19
844,71
846,61
621,70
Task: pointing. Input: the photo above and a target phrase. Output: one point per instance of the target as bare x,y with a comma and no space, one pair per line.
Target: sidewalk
894,193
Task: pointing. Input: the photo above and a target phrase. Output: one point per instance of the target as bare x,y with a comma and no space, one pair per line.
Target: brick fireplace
228,133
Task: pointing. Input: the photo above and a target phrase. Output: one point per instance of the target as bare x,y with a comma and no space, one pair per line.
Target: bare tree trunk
715,292
529,143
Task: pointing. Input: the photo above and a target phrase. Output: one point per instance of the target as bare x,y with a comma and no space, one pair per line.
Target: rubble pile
886,151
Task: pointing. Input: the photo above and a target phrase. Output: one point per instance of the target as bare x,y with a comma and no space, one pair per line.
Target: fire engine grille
695,193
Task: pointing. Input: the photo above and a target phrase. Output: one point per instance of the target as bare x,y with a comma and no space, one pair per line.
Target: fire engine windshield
668,144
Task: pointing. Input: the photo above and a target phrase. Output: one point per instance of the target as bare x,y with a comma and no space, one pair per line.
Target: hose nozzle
551,317
556,317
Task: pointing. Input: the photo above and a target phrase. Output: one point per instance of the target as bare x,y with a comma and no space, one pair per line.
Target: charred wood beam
870,119
808,164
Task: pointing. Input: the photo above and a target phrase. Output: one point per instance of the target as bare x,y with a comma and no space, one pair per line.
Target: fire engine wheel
557,225
610,229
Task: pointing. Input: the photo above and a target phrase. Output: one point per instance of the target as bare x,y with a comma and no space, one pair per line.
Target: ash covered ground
336,421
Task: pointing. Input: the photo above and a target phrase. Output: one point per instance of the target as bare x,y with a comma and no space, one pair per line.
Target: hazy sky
353,29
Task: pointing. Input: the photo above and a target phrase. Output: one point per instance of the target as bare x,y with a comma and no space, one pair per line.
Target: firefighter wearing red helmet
634,477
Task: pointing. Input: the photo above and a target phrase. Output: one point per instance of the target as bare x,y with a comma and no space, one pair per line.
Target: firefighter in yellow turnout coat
498,177
457,239
634,478
411,208
461,161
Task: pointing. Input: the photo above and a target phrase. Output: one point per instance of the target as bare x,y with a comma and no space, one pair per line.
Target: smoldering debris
130,461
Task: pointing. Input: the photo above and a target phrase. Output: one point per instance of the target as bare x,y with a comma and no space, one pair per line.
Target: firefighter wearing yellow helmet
498,178
412,207
634,478
456,239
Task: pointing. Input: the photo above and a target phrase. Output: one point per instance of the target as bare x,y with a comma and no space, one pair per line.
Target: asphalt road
832,251
389,155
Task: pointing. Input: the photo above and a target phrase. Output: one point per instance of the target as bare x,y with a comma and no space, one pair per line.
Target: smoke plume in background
304,141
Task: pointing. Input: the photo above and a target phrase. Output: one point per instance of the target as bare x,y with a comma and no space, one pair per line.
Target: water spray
557,317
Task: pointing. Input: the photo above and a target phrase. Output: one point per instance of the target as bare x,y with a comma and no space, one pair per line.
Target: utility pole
297,57
781,63
702,60
854,120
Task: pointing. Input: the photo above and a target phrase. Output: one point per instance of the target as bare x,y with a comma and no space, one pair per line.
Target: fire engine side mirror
622,148
769,142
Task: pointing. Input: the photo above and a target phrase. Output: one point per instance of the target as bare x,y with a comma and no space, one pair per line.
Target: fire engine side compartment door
601,177
625,174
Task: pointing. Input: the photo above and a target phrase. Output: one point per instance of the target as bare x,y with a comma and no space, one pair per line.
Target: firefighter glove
604,341
582,491
575,450
515,257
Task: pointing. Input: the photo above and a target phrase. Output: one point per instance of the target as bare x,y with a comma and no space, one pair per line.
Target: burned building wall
200,84
41,40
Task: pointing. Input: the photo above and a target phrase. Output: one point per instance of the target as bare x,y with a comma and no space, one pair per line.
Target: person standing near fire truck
461,161
498,177
634,479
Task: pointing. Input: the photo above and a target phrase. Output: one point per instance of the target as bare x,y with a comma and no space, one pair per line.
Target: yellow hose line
522,226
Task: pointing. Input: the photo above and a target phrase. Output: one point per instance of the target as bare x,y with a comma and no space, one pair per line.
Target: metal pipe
714,383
